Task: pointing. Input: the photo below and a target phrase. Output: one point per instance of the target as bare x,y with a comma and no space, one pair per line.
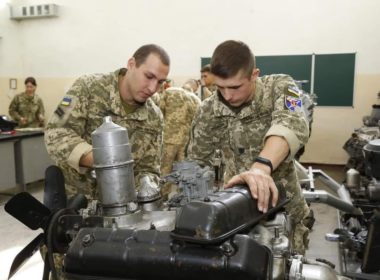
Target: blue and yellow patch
66,101
293,104
293,91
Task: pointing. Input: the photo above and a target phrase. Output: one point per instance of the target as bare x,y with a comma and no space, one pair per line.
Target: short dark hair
144,51
30,80
230,57
206,68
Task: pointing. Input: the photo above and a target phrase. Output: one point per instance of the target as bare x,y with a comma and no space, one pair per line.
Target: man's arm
63,134
87,160
40,112
13,109
276,149
259,176
289,130
147,145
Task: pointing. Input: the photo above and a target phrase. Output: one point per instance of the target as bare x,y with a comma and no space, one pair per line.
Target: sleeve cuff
74,158
288,135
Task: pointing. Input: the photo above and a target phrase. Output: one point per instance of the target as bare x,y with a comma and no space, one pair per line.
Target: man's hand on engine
260,184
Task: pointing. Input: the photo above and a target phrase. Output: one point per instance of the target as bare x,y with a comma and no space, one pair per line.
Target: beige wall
334,125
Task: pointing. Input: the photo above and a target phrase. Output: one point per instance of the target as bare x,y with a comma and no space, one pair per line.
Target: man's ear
131,63
255,73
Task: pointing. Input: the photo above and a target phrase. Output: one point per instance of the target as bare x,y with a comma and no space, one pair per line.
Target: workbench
23,158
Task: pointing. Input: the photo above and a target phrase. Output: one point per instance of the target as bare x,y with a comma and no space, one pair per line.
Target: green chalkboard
205,60
334,79
297,66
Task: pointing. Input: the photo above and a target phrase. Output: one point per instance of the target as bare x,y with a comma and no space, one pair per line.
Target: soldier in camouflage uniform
191,85
207,81
123,95
178,107
258,123
27,108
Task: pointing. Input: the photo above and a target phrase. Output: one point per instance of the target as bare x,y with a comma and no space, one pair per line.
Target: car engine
201,232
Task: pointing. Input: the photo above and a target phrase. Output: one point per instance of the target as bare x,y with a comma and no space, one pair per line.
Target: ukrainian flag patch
66,101
293,91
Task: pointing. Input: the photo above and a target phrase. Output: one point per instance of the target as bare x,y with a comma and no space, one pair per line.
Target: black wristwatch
265,161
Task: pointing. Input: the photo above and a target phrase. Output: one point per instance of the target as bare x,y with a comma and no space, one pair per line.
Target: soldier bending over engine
259,125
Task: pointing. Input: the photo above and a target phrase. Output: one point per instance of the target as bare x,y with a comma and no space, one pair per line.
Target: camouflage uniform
29,107
208,91
241,135
90,99
178,107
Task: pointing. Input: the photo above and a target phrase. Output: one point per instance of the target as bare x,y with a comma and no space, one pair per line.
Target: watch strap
265,161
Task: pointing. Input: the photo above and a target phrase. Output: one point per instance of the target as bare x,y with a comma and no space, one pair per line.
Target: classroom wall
99,36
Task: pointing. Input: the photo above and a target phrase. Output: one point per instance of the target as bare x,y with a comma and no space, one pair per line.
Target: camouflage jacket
88,101
178,107
29,107
241,135
208,91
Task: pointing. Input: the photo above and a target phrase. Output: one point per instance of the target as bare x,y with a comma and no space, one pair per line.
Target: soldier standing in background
123,95
27,107
207,81
178,107
259,125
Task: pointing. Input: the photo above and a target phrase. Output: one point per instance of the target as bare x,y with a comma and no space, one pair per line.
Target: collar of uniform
221,109
253,109
30,98
116,105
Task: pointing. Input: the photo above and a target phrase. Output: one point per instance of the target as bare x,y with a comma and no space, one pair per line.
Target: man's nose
227,95
153,86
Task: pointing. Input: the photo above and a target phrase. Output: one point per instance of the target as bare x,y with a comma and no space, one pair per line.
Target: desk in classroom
23,158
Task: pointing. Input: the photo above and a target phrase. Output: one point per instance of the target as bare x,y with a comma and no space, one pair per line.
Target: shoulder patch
293,91
63,110
293,104
66,101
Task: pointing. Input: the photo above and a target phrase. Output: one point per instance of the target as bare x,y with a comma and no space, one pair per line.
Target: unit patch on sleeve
293,104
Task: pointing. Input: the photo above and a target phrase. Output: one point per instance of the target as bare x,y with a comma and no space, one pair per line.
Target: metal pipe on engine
319,196
342,202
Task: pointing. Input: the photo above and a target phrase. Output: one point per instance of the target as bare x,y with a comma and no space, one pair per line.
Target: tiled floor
14,235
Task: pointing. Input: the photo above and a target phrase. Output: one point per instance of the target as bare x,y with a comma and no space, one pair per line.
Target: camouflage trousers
300,240
170,154
58,262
